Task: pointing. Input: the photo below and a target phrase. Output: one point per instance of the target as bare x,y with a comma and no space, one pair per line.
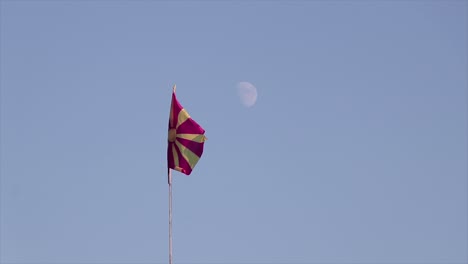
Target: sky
354,152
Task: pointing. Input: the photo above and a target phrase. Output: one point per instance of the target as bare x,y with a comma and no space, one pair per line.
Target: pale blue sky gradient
356,151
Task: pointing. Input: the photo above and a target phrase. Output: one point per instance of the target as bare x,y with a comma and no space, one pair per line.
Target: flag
185,139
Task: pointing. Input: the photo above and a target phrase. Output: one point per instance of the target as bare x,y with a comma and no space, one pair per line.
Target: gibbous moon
247,93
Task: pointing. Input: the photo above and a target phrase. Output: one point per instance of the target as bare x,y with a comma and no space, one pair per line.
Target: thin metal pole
170,216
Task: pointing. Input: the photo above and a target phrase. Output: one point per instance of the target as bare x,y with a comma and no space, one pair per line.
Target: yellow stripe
183,116
200,138
188,155
176,157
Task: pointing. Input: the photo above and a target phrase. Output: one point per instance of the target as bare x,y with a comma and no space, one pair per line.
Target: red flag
185,139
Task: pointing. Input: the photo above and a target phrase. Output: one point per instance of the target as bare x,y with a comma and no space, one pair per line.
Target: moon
247,93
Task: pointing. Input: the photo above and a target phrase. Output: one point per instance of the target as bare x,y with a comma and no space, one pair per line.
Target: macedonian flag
185,139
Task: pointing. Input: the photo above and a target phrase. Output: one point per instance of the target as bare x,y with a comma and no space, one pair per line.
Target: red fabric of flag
185,139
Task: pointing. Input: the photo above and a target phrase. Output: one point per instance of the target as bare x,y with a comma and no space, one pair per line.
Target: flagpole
170,215
169,178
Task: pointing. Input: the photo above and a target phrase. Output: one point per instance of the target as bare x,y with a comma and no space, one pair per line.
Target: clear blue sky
355,152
